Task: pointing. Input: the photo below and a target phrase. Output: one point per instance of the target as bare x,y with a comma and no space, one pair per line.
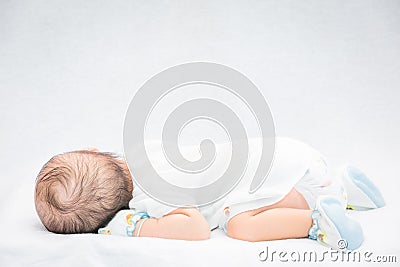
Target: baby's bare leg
270,224
288,218
292,200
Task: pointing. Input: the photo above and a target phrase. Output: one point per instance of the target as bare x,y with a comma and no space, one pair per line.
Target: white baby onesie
291,161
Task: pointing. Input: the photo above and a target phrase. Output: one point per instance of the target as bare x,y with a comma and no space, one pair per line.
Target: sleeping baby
81,191
88,191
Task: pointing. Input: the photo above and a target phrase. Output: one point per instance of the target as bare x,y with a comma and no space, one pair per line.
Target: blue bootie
362,193
332,228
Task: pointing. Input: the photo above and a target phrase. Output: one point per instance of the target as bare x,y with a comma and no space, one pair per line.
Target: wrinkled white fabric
291,161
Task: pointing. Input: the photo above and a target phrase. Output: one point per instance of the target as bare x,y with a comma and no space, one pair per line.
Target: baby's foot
332,227
362,193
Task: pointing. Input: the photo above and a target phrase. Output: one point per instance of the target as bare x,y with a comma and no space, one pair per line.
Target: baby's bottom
288,218
319,181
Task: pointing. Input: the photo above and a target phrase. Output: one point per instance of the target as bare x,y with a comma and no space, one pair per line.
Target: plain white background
330,71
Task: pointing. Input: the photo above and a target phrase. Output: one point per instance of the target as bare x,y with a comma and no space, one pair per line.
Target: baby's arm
182,223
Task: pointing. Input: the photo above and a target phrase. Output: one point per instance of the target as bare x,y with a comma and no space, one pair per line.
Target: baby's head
80,191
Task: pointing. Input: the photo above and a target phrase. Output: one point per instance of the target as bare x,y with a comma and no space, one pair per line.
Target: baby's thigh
237,227
241,222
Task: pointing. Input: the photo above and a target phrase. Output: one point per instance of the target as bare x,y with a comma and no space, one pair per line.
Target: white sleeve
142,202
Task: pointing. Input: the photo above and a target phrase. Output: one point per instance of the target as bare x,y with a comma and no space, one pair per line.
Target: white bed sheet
25,242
